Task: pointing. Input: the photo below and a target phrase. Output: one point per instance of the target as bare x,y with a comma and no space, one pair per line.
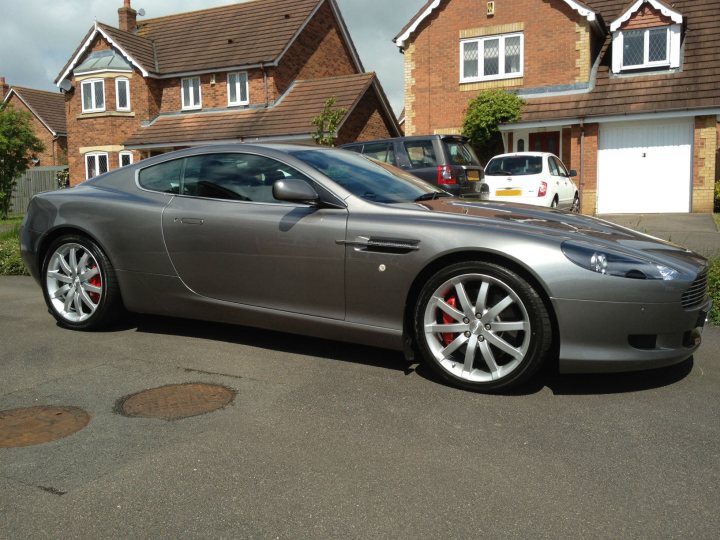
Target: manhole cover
177,401
37,425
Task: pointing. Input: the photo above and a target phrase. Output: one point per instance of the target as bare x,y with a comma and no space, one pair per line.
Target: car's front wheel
79,284
481,326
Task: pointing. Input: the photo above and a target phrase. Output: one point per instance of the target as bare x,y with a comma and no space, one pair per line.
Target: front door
229,239
547,141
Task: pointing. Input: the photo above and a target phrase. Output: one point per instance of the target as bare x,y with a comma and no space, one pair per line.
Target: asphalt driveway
697,232
333,440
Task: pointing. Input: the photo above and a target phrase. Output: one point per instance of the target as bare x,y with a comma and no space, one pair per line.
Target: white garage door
645,167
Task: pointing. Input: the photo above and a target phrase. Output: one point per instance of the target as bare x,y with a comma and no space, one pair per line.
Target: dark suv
446,161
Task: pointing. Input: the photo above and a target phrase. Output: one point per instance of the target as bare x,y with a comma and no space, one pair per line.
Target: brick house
625,92
255,71
47,118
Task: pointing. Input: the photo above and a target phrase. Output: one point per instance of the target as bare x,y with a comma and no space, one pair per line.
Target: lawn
11,263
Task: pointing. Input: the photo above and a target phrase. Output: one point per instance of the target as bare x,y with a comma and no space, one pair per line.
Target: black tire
510,337
70,294
555,202
575,208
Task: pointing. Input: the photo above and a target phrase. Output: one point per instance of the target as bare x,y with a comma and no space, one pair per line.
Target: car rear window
460,153
514,165
421,154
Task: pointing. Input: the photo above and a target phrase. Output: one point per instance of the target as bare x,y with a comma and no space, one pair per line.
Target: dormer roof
664,8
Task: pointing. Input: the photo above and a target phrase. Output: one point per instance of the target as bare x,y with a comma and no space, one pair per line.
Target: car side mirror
294,190
573,173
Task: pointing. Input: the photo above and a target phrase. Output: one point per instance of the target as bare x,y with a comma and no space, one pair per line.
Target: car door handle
189,221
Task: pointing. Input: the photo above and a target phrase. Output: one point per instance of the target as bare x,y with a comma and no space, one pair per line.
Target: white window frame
501,59
91,84
119,80
673,50
122,154
190,106
96,156
238,88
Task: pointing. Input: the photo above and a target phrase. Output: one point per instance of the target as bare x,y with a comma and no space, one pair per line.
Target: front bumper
598,337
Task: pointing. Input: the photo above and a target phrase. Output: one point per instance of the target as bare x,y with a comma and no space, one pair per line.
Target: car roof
519,154
409,138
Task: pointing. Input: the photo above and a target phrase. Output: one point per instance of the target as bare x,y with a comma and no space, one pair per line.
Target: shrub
11,263
714,286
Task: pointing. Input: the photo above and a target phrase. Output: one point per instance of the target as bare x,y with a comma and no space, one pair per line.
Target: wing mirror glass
573,172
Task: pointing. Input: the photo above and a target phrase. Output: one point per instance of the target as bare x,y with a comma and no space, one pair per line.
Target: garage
645,167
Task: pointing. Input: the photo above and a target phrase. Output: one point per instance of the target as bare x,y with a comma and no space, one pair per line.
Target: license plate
473,176
508,192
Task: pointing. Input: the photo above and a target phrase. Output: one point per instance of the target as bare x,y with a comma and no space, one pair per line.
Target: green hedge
714,283
11,264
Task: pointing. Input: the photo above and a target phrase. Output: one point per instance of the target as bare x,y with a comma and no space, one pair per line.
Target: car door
566,191
556,180
230,240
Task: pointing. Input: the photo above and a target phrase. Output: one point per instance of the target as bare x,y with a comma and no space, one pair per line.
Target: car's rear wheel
575,208
555,202
481,326
79,284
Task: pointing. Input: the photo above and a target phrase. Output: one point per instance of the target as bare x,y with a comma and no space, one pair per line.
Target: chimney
127,17
4,88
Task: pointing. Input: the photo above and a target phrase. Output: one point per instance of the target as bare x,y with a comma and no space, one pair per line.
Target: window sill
105,114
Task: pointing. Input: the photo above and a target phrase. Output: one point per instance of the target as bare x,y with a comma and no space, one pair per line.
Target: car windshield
514,165
367,178
460,153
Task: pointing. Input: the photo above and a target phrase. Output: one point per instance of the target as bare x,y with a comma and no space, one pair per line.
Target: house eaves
406,33
41,119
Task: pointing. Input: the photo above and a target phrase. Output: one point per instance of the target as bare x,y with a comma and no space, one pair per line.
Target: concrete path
697,232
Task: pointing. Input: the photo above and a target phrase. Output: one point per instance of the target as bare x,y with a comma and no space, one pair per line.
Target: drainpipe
265,83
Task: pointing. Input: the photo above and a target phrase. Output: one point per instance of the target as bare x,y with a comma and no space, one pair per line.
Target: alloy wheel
74,282
477,328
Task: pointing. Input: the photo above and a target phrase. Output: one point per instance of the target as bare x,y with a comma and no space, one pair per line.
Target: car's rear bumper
615,336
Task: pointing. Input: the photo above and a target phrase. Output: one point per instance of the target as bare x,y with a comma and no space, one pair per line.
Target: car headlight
616,263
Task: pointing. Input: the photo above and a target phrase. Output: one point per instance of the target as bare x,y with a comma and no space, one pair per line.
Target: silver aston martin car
329,243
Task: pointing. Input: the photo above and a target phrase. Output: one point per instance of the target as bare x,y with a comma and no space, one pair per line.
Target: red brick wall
318,52
106,129
645,17
585,163
366,122
55,152
550,55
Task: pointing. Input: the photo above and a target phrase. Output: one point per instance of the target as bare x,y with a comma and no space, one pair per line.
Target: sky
37,37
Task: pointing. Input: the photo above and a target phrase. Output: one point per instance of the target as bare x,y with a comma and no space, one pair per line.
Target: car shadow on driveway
559,384
270,339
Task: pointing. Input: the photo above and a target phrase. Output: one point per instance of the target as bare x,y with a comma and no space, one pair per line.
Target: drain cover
37,425
177,401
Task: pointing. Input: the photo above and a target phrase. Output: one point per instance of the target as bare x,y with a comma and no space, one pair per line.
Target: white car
538,178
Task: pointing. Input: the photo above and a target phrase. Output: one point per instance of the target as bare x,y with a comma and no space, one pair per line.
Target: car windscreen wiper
432,196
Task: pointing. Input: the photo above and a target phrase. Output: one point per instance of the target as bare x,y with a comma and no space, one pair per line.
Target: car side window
381,151
163,177
235,177
421,153
553,166
561,167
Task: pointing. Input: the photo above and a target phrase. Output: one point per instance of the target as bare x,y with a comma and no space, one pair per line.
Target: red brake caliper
447,337
95,281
